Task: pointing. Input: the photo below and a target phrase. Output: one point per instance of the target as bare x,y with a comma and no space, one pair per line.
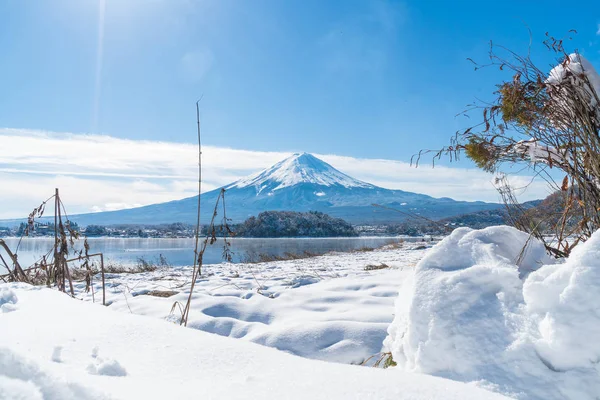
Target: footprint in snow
57,354
105,366
8,300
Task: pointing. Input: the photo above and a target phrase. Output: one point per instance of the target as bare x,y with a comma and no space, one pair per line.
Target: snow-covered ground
327,307
487,309
54,347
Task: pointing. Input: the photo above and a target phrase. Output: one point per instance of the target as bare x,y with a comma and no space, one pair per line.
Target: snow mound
490,306
565,300
463,288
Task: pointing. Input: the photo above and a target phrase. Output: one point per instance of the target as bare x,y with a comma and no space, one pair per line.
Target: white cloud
97,173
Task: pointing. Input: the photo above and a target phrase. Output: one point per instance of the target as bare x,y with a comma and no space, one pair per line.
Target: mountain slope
301,182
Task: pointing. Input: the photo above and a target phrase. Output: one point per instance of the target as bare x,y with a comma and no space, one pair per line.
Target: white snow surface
487,309
489,306
113,355
327,307
299,168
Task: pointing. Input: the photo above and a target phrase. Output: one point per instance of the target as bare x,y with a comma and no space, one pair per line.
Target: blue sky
359,78
362,79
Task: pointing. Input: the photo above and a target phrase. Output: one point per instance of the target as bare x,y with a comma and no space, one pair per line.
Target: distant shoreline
403,237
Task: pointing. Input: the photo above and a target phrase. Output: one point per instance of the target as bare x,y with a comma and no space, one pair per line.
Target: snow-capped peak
296,169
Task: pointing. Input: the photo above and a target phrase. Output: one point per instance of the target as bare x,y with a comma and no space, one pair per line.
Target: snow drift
490,306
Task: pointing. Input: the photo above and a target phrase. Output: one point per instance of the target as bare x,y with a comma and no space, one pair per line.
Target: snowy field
52,347
483,311
328,307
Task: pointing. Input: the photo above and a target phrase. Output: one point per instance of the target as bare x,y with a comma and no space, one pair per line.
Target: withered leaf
565,184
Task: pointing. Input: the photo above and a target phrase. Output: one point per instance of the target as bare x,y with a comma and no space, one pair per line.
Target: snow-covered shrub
548,121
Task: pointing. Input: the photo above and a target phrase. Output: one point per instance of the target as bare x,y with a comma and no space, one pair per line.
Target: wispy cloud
96,173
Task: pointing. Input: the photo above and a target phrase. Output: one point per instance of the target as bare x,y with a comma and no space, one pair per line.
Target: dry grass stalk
211,234
372,267
210,238
57,271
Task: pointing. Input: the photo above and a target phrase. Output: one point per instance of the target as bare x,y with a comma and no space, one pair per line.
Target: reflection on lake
179,252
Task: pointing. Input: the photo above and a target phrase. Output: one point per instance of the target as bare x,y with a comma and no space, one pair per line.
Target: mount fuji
301,182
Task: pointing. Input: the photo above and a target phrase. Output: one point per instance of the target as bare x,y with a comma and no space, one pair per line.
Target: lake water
179,252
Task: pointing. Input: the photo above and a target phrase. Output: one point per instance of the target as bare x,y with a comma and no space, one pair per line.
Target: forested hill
294,224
